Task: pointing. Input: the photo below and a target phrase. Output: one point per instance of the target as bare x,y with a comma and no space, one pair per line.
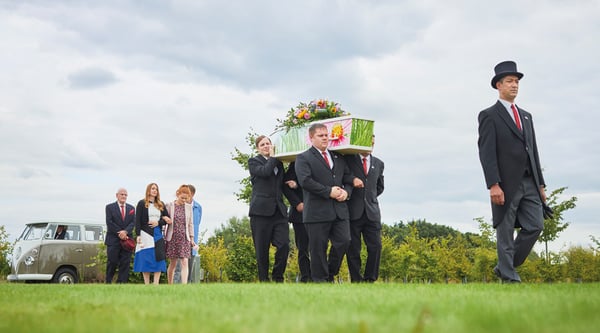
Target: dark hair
192,188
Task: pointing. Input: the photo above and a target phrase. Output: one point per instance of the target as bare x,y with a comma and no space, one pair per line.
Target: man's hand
543,193
122,234
335,192
300,207
343,196
357,182
497,195
271,151
291,184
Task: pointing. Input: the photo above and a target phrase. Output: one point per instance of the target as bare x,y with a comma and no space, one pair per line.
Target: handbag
128,244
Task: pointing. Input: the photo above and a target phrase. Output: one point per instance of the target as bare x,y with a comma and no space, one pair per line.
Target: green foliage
242,158
234,228
5,251
214,260
555,225
583,265
241,260
399,231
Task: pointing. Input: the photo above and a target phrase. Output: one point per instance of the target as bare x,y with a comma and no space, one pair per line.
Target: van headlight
29,260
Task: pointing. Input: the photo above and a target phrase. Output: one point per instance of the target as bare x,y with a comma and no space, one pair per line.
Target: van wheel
65,276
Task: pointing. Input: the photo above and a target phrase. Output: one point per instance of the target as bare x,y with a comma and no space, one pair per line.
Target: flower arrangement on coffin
305,113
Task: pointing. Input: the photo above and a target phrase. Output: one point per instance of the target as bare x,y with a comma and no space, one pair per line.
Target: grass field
300,308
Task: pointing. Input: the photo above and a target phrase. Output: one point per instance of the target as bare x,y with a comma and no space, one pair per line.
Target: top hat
503,69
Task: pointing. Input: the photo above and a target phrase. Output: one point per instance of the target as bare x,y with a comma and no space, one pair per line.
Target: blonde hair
157,203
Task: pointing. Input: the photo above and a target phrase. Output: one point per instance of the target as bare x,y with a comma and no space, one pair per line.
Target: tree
484,252
5,251
241,158
241,261
214,260
230,231
554,226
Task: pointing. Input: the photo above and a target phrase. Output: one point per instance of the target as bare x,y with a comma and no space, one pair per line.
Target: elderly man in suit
268,213
365,216
120,219
327,183
509,156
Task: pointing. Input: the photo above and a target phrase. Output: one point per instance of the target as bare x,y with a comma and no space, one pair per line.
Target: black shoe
497,272
511,281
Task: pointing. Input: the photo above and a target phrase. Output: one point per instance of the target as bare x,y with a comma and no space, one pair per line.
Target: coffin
347,135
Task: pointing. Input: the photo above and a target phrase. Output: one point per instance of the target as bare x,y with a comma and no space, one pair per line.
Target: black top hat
503,69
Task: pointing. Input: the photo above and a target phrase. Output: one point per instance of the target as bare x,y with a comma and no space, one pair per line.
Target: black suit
268,216
295,197
325,218
365,218
509,158
117,256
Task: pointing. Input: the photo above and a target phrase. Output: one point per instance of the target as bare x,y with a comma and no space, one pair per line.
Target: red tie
365,169
516,114
326,159
123,212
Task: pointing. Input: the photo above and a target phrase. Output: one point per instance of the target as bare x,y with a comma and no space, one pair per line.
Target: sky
98,95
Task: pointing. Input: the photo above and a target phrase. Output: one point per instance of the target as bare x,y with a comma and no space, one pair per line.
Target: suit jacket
317,179
189,221
142,219
507,153
267,186
294,196
365,199
115,223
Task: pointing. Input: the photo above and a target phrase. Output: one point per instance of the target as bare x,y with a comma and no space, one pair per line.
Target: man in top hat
509,156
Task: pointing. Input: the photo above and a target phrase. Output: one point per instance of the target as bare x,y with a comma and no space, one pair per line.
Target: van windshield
34,231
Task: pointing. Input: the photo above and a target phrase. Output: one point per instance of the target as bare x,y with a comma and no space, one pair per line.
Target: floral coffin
347,135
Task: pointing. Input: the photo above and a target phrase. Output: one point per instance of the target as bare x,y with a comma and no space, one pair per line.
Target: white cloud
99,96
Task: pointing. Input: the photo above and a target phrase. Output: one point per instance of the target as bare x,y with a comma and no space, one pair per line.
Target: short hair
192,188
314,127
259,139
183,189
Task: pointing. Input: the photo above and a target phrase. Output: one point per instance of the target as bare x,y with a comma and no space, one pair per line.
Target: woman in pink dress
180,233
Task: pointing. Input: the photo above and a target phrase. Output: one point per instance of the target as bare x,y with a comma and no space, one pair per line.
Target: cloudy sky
99,95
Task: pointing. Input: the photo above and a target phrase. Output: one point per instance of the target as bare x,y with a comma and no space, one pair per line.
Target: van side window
74,233
93,233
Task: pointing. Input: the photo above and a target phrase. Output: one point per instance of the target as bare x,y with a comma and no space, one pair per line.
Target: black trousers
301,238
267,230
526,207
117,258
324,267
370,231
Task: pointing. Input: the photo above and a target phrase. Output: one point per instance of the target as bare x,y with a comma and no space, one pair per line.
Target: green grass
300,308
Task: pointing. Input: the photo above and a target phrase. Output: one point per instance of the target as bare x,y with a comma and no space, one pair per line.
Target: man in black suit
61,232
120,219
509,156
327,184
268,213
293,192
365,216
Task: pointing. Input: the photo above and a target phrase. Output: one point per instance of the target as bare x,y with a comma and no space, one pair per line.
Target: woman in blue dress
150,216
